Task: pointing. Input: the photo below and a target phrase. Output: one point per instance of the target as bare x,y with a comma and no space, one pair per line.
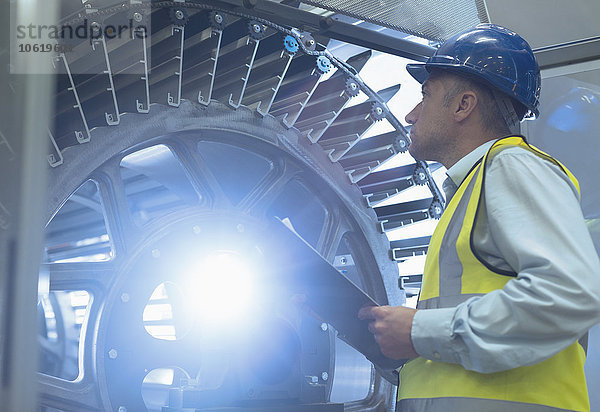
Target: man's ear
466,103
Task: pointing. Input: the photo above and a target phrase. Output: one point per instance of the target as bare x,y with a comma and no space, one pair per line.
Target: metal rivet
155,253
256,28
113,354
218,18
179,15
124,297
324,326
343,260
122,409
137,17
324,376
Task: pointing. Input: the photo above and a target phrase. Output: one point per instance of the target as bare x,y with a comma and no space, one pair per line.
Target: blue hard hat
494,54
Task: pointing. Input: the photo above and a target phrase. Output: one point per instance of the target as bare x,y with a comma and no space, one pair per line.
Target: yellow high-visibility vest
453,274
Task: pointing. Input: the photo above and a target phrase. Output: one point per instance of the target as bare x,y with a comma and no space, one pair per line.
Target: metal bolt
324,326
218,18
197,230
324,376
122,409
179,15
256,28
353,86
402,143
422,176
343,260
312,379
378,110
155,253
113,354
137,17
240,228
125,297
95,28
310,42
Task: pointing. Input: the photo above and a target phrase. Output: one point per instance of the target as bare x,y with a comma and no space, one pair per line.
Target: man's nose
412,117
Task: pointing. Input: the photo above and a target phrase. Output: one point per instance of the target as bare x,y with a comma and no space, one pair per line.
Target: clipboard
330,295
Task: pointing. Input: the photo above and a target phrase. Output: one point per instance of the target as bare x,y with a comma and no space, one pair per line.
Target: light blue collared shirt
530,223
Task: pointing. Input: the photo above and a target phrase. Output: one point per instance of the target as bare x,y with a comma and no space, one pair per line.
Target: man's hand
391,328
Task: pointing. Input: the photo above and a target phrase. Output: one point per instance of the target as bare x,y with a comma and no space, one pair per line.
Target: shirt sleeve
536,226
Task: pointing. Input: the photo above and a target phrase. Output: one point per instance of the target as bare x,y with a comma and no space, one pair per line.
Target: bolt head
137,17
256,28
218,18
379,110
312,379
95,27
324,376
122,409
179,15
324,327
113,354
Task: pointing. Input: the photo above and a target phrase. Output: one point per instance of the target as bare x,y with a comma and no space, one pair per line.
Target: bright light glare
223,287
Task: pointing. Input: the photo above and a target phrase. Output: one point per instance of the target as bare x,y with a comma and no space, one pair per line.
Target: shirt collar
459,171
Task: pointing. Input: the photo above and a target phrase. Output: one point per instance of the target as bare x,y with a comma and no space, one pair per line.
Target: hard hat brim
418,71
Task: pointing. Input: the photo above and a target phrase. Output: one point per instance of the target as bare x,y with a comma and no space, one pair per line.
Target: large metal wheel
261,171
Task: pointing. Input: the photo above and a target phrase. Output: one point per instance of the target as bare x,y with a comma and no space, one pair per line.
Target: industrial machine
189,144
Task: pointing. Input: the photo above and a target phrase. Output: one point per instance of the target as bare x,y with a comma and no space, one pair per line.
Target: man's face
431,121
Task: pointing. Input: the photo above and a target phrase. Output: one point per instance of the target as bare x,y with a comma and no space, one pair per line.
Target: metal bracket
176,100
79,134
55,158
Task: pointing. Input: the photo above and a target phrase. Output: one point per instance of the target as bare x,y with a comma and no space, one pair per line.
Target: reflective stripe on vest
453,274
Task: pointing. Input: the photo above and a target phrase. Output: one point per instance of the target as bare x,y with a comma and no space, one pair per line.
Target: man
512,280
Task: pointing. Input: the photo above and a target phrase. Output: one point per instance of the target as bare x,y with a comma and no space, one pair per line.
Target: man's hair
490,115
